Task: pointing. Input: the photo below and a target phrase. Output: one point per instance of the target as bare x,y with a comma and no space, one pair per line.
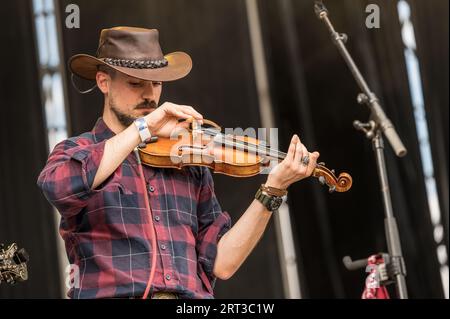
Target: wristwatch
142,127
271,202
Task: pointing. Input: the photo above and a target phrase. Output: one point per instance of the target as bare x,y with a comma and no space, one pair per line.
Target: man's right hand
163,120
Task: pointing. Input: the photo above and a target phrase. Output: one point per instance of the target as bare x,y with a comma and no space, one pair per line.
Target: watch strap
269,201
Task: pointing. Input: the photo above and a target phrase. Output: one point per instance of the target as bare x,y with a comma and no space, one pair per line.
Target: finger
304,153
300,152
180,114
291,151
303,166
179,111
312,163
197,114
190,110
190,115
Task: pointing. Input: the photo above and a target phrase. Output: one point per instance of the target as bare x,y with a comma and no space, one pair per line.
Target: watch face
275,203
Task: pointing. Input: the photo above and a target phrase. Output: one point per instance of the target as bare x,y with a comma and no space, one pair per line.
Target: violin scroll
340,184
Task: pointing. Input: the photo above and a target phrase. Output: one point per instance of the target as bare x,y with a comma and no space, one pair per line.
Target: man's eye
157,83
135,83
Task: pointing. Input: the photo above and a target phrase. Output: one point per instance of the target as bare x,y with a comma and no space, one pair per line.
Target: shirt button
163,247
151,188
157,218
168,277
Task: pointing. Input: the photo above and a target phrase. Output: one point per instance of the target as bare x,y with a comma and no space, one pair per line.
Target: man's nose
149,91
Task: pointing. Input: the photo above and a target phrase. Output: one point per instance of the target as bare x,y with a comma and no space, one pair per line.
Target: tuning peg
333,171
332,189
322,180
322,163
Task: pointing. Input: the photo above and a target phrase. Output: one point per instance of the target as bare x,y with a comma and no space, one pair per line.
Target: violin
232,155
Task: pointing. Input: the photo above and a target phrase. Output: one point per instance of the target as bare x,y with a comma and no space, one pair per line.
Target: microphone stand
377,125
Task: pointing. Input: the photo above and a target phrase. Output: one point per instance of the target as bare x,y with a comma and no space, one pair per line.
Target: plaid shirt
106,230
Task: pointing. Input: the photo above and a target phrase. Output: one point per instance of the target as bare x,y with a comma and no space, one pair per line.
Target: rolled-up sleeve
213,224
69,173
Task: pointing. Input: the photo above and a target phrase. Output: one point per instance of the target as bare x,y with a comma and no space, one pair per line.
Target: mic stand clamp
386,271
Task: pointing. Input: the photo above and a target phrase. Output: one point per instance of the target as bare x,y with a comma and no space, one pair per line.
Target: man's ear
103,79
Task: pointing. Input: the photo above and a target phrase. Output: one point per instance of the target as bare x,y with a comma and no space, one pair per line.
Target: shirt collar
101,131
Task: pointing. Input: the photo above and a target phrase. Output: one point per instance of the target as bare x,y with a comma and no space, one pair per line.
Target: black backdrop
314,92
313,95
25,216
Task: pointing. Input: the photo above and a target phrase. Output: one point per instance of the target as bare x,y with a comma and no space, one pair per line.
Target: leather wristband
273,191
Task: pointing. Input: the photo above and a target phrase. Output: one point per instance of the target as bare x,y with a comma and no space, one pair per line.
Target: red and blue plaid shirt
106,229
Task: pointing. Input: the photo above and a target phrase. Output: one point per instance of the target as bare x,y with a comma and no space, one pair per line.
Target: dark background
313,95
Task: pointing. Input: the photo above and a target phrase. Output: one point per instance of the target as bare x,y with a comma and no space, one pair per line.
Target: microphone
319,8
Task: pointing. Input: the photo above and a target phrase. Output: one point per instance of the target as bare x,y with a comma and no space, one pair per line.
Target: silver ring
305,160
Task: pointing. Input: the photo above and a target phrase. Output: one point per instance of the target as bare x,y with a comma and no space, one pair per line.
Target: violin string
265,150
246,146
255,148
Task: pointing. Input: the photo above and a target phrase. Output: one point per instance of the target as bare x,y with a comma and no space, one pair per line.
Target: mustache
146,105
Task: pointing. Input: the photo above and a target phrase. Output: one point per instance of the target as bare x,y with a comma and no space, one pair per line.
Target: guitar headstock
13,264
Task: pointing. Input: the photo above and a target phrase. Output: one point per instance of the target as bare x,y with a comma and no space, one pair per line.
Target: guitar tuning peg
332,189
322,163
322,180
333,171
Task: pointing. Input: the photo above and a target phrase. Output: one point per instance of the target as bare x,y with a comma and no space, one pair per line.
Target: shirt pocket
189,219
114,204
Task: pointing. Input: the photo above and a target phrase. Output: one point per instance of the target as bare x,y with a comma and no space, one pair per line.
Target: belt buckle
164,295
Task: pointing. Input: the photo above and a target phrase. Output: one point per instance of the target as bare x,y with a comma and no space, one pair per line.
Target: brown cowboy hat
135,52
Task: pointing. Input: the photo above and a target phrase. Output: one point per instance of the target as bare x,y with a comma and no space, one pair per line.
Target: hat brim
179,65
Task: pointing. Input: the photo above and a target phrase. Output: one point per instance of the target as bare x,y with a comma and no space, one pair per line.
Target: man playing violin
93,180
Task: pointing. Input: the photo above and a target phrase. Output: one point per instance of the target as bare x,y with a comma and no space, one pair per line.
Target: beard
127,119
